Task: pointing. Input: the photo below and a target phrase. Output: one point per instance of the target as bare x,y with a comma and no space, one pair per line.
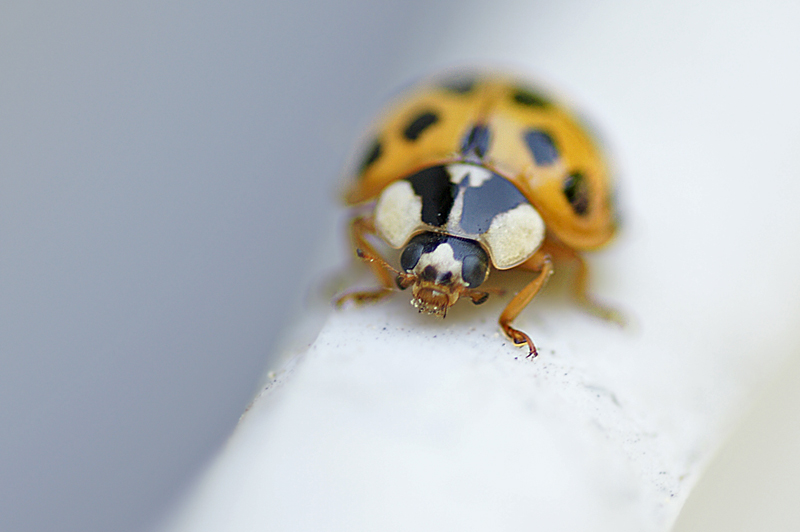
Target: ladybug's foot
520,338
364,296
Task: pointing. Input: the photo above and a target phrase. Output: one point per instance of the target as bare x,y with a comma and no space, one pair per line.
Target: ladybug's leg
359,228
580,283
541,263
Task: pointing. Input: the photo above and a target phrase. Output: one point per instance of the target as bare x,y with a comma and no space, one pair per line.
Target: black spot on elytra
372,154
542,147
529,98
419,124
459,84
433,186
576,190
476,141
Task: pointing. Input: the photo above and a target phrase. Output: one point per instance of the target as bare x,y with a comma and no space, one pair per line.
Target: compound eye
473,270
576,190
410,256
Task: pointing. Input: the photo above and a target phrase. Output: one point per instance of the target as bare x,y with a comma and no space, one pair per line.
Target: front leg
539,262
360,227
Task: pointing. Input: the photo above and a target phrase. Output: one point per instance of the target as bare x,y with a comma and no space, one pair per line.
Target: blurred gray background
165,169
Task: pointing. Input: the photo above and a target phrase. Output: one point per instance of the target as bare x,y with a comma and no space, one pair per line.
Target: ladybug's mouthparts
432,302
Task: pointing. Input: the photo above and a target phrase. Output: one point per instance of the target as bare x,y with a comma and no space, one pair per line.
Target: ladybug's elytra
475,170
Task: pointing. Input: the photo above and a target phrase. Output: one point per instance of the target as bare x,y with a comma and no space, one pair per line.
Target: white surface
395,421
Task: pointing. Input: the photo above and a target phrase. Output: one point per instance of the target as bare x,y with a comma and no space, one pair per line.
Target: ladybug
472,171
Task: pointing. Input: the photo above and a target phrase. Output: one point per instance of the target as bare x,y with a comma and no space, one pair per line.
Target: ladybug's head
441,268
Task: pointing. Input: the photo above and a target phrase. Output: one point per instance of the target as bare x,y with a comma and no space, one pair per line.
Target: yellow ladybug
474,170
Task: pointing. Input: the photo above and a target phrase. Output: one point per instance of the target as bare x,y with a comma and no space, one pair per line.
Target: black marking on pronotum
419,124
476,141
542,147
371,155
474,260
433,186
576,190
529,98
459,84
494,196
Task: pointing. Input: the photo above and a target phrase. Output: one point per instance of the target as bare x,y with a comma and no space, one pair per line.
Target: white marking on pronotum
398,213
454,218
477,174
514,236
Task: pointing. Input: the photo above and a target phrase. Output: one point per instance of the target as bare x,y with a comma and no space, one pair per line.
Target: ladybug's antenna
403,279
